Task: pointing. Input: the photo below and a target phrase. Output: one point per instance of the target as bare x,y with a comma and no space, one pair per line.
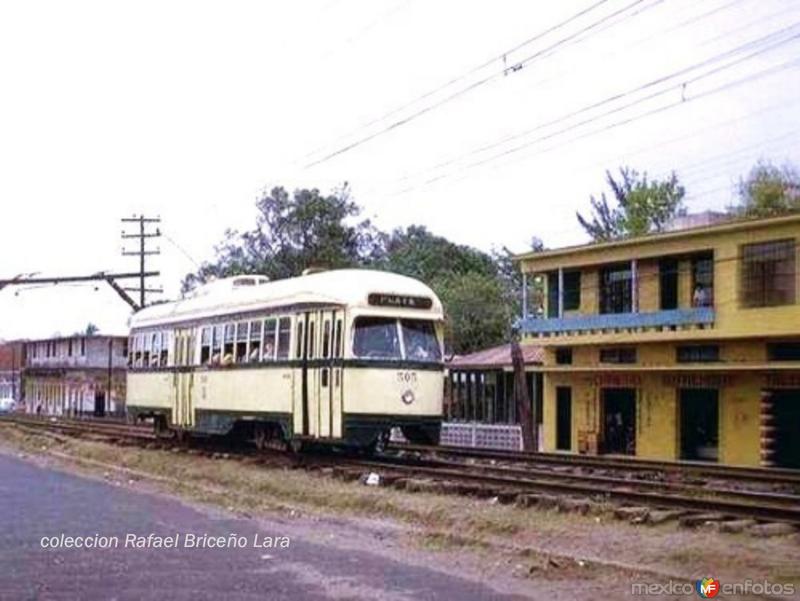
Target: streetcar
338,357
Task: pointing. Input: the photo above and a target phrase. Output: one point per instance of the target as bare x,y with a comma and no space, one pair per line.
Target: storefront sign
610,380
782,380
697,380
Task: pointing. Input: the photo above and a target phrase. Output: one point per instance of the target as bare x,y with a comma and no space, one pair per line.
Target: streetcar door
337,373
313,352
183,379
325,376
300,388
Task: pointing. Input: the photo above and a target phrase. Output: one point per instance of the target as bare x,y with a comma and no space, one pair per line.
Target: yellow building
677,345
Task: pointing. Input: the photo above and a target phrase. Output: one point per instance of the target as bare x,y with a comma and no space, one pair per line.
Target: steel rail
730,472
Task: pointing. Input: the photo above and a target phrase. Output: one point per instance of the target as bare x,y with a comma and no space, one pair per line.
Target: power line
610,100
457,79
477,84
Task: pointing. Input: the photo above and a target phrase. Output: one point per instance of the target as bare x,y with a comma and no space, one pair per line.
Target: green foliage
768,191
292,233
642,206
480,291
418,253
91,329
477,314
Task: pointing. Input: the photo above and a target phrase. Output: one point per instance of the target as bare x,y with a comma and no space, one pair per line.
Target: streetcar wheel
260,436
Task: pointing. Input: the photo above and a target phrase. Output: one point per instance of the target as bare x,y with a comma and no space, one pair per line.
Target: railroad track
91,427
510,484
682,469
527,478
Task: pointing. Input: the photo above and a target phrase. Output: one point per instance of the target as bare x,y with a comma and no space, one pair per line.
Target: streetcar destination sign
399,300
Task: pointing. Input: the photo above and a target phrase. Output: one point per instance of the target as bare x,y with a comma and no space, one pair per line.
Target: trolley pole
142,235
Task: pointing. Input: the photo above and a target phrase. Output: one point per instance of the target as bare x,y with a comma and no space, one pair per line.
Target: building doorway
786,421
619,420
99,403
699,419
564,418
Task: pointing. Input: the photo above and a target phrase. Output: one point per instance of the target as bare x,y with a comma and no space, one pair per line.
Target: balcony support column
560,292
524,296
634,287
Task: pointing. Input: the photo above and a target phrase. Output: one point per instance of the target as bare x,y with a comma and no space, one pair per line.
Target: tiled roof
496,357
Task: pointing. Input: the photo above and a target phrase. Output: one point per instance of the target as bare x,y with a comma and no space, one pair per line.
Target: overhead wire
474,85
588,121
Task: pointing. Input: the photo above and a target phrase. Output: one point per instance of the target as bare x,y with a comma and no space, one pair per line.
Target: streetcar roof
341,287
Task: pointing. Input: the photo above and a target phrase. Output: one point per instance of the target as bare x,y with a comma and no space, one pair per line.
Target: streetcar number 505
407,377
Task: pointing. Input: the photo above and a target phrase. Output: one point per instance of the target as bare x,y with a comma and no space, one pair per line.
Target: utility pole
143,234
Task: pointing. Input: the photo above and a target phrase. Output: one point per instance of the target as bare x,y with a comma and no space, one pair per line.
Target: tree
768,191
476,312
480,291
416,252
642,206
469,282
294,232
91,329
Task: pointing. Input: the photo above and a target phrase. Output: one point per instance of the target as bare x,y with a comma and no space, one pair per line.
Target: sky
488,122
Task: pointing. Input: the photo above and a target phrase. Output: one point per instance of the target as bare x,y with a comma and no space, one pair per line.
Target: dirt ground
523,551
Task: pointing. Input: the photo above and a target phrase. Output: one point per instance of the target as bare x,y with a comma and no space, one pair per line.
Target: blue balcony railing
615,321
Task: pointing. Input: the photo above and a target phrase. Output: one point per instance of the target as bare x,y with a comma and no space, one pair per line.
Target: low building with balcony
679,345
76,375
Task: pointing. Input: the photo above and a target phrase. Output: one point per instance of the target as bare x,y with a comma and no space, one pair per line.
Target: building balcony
673,319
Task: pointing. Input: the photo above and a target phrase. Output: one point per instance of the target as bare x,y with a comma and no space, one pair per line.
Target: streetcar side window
131,344
311,340
241,342
326,339
216,346
148,345
284,337
227,351
337,340
255,340
299,339
155,345
165,342
270,327
205,346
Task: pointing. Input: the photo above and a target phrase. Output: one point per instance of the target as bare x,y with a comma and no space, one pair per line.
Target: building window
783,351
703,280
618,355
668,283
572,292
768,274
564,356
552,294
698,353
616,289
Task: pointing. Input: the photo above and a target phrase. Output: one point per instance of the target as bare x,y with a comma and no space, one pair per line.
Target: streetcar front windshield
419,340
376,338
379,338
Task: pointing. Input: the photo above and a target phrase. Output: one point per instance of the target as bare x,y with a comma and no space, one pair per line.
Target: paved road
36,502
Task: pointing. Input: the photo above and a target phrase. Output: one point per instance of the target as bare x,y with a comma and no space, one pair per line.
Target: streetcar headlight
407,397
